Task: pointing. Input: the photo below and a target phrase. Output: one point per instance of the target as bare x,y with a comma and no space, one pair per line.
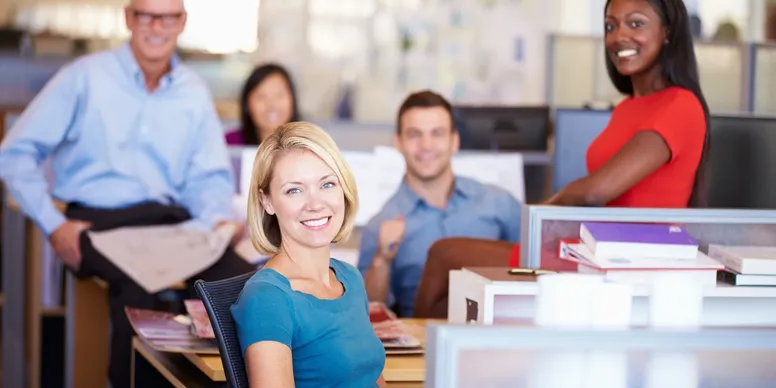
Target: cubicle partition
735,77
512,356
544,226
743,162
575,129
764,71
21,78
742,158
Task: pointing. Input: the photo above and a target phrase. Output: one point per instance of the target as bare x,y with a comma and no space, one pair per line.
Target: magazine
395,335
167,332
200,321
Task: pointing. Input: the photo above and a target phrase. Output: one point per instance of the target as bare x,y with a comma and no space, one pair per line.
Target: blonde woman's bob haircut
264,228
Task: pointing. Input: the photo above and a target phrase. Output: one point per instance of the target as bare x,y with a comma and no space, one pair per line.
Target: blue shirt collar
129,63
408,200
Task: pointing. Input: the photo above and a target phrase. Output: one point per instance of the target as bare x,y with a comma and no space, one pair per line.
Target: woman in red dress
654,151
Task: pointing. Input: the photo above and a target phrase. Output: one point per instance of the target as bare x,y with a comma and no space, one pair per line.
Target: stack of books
746,265
636,253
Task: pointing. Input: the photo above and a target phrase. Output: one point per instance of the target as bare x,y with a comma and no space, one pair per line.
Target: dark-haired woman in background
268,100
654,151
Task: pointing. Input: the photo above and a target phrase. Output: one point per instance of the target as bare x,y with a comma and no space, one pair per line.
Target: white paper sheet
246,170
377,179
502,169
156,257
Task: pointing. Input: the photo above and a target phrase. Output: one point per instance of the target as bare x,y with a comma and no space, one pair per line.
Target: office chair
454,253
218,297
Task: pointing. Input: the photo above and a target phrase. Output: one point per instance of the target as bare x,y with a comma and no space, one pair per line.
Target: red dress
677,116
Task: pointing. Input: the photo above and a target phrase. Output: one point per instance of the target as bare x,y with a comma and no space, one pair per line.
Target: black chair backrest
218,297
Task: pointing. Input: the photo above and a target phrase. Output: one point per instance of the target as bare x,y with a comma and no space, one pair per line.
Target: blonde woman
303,319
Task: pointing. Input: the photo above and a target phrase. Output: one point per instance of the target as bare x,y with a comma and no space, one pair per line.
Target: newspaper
157,257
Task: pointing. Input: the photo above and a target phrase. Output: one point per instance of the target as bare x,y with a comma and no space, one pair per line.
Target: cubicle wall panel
21,78
727,74
573,63
604,89
534,367
721,68
553,231
575,129
743,162
515,356
765,80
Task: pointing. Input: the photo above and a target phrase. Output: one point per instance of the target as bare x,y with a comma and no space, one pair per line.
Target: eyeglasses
146,19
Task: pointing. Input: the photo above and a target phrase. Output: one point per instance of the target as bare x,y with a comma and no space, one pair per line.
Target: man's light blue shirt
113,143
474,210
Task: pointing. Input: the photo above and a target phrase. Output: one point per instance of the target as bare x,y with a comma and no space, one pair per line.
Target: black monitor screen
503,128
743,162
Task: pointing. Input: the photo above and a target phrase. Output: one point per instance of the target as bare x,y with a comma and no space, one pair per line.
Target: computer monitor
743,162
503,128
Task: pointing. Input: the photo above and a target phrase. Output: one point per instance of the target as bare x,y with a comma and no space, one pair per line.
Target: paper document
504,170
246,170
377,178
156,257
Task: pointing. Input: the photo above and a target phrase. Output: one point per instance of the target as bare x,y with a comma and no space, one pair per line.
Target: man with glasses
134,140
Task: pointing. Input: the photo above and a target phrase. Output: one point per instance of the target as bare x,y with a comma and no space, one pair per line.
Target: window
217,27
221,26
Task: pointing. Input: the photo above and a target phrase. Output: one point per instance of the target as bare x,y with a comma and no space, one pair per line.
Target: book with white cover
639,270
701,262
738,279
746,259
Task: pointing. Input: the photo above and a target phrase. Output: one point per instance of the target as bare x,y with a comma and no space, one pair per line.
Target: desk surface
398,369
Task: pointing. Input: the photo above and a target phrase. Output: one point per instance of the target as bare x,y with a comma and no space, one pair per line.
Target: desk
87,319
399,372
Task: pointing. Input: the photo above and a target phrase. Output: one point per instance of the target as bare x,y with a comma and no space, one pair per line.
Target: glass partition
21,78
741,157
764,79
579,74
575,63
723,79
575,129
544,226
515,357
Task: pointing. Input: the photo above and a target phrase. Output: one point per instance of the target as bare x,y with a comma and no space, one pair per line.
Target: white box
488,295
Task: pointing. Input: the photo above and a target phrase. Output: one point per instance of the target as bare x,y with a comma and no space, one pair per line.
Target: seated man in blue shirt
431,204
134,140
